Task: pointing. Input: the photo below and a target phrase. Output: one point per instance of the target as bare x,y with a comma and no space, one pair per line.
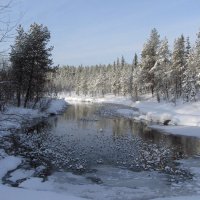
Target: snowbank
187,114
56,106
127,113
10,193
179,130
106,99
8,163
14,117
180,198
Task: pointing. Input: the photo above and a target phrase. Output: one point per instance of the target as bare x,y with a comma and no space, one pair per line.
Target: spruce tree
178,66
17,58
31,58
148,59
161,69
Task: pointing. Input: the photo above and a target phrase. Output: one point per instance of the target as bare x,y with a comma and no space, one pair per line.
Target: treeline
25,75
168,75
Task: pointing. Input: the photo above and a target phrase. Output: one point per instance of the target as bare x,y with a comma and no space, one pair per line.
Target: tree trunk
29,88
19,98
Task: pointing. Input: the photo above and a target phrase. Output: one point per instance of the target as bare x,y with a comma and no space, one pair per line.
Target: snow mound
180,198
179,130
10,193
21,174
127,112
15,116
56,106
110,98
8,163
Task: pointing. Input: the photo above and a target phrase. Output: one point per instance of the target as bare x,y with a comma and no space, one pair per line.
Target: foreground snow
180,198
8,163
185,115
15,117
118,183
10,193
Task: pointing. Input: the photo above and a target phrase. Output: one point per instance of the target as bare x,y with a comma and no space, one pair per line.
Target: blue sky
98,31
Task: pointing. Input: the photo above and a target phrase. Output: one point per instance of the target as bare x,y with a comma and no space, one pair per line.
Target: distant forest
167,75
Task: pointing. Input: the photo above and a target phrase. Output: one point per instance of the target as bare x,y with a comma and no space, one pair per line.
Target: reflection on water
84,115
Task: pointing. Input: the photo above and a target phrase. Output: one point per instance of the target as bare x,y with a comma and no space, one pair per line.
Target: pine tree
30,51
17,58
187,48
161,69
186,75
178,67
192,73
148,59
135,61
122,61
133,67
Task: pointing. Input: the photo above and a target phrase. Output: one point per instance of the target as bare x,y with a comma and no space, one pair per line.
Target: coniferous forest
168,74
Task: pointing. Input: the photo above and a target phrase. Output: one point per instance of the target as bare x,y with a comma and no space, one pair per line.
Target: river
99,155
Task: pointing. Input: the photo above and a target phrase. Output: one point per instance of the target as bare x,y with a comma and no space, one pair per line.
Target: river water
104,156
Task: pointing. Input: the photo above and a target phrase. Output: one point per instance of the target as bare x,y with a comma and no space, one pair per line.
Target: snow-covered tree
178,67
161,70
149,58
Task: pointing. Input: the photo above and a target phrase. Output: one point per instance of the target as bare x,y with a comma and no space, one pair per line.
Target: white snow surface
179,130
185,115
36,189
7,163
13,117
180,198
56,106
127,112
10,193
21,174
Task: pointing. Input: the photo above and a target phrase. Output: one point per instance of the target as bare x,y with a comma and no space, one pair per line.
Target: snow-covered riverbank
185,116
12,119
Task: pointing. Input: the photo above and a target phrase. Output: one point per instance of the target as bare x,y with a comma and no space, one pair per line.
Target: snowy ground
67,186
14,118
27,190
186,116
